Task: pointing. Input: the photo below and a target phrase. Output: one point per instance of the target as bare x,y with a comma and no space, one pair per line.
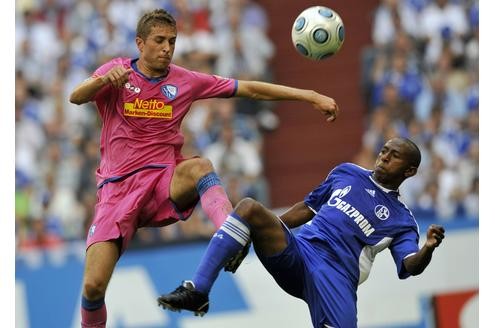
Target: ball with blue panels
318,32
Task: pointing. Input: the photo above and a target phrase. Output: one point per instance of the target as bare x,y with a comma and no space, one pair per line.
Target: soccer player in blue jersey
350,217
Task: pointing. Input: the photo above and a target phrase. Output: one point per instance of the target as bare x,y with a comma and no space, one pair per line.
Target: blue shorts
301,271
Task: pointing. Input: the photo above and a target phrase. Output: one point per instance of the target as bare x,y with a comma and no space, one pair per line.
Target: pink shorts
141,200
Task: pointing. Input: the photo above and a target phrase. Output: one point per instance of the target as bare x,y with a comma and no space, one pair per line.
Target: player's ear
139,43
411,171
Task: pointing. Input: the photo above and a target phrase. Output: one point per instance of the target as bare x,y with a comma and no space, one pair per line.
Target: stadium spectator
390,18
442,23
238,159
39,237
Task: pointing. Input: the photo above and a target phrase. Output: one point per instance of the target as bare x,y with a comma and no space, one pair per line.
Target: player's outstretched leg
216,205
185,297
228,241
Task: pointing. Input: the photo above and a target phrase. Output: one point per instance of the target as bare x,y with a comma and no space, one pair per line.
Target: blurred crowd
420,80
59,43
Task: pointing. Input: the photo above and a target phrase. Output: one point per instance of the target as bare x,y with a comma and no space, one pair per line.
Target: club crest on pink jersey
169,91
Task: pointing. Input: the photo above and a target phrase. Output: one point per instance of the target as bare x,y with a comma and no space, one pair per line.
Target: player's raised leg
101,259
249,218
195,178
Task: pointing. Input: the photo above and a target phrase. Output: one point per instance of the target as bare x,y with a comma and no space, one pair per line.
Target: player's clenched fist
117,76
327,106
434,235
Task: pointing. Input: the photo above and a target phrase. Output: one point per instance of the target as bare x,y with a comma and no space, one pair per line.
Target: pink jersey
141,121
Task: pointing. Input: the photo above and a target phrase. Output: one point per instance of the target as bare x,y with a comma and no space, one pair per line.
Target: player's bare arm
85,91
297,215
416,263
268,91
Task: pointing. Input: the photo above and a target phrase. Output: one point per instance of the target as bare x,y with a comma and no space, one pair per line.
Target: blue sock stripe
206,182
239,239
237,225
236,230
238,222
92,305
236,216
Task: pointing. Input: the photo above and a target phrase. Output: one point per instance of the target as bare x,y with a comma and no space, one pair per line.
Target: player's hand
434,235
117,76
327,106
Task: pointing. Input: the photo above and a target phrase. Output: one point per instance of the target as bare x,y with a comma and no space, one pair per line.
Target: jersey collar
383,188
150,79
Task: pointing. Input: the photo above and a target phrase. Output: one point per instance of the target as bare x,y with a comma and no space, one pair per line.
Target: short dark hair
153,18
414,153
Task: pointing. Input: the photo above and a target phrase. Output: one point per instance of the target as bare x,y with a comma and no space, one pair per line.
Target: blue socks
91,305
232,236
207,181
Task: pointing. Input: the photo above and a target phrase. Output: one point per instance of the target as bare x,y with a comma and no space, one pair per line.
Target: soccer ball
318,32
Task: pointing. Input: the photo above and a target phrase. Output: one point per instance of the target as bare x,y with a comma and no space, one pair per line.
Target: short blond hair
153,18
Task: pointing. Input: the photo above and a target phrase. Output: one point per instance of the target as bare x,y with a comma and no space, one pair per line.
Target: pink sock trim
94,319
216,205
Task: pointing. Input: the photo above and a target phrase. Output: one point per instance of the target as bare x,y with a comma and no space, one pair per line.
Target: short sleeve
404,245
212,86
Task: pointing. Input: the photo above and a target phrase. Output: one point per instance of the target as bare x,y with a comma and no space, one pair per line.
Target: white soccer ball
318,32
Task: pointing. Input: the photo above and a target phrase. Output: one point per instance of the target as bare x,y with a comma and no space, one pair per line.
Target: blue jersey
355,218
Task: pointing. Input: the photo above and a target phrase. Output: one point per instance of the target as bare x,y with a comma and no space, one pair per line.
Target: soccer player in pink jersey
143,180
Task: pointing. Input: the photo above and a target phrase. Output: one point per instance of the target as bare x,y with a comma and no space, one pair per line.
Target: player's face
392,164
158,48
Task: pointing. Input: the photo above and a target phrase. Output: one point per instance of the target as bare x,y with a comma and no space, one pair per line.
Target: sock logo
218,235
